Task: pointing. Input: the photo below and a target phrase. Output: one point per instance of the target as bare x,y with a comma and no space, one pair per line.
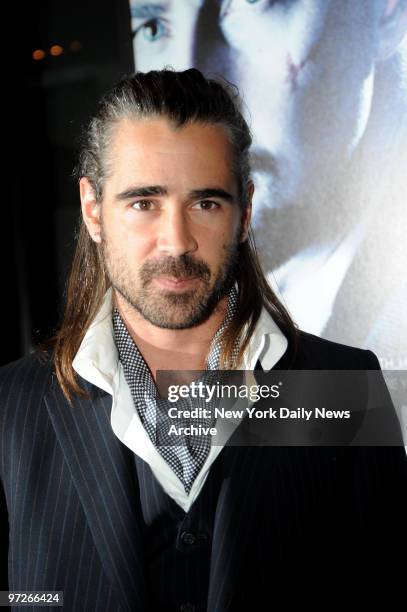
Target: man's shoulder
23,385
314,352
30,373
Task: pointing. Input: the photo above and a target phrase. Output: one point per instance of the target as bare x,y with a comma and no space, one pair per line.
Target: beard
165,308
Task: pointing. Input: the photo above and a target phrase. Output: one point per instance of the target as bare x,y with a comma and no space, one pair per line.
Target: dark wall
48,101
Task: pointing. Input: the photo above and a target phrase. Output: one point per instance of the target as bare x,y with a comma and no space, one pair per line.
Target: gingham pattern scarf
186,455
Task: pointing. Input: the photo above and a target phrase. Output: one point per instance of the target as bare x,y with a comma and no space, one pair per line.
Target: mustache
178,267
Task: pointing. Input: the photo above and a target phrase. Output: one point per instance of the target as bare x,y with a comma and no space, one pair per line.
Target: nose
175,237
213,51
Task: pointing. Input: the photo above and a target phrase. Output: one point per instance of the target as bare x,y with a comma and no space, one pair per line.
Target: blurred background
324,88
66,54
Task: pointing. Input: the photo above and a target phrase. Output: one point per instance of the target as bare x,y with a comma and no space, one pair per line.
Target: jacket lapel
101,468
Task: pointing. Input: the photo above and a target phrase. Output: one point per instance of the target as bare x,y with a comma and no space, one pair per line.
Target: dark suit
300,523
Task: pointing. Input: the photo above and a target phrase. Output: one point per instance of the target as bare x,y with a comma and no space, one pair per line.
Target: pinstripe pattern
77,523
179,570
70,496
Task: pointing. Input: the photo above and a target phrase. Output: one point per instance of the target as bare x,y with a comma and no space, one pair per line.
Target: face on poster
323,84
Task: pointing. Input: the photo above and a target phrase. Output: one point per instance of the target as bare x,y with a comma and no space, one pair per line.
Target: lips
173,282
174,279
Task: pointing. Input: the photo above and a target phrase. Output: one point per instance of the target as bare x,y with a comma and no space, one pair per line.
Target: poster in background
324,84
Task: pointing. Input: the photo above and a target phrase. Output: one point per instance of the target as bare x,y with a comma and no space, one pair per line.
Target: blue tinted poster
324,84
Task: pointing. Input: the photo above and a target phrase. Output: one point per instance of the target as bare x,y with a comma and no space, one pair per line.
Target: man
165,276
324,85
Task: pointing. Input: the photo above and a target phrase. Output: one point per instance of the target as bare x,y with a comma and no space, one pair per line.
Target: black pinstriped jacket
301,523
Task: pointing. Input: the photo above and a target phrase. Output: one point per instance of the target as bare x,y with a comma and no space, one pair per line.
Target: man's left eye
207,205
142,205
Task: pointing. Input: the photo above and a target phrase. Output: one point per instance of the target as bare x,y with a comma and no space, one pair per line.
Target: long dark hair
181,97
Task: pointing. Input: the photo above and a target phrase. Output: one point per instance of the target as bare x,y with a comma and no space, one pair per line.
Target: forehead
156,151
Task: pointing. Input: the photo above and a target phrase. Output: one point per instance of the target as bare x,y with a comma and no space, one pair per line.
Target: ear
90,209
392,28
247,212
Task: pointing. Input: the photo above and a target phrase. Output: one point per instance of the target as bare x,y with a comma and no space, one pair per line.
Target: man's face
304,67
170,220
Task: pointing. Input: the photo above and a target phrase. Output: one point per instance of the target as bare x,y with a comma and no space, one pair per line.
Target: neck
169,349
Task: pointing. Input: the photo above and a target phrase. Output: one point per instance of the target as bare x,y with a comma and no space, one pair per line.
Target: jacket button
187,607
188,538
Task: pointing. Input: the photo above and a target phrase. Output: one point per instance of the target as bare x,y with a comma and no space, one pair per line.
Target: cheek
126,238
218,247
213,246
290,38
295,71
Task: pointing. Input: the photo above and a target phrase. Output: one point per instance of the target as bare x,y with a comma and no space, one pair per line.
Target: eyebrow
145,191
148,11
